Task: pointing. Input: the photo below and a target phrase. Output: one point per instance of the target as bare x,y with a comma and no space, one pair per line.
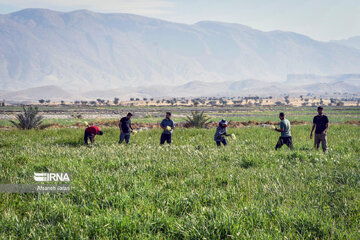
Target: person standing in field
168,126
125,128
285,137
321,125
221,132
90,132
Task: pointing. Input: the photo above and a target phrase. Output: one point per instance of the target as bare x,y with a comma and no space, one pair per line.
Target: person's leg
122,137
127,138
224,142
168,138
317,141
324,142
86,138
279,143
218,143
162,139
92,138
289,143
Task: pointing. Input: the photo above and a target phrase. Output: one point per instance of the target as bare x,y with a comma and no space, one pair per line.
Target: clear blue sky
320,19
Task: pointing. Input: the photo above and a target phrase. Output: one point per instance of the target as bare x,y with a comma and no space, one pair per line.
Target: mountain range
83,51
295,85
353,42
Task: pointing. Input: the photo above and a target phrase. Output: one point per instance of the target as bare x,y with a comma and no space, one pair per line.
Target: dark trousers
218,143
284,140
165,137
87,136
125,136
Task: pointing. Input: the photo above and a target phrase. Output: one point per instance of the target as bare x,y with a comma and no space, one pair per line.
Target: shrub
28,119
197,119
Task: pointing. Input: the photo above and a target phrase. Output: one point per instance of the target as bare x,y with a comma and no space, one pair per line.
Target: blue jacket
220,133
167,122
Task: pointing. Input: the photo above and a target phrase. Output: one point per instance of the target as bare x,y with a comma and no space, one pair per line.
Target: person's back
287,128
125,124
219,134
92,129
125,128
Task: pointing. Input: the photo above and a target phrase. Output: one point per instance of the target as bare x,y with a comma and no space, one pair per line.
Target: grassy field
155,114
190,190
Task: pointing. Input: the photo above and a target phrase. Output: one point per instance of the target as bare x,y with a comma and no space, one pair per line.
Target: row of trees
209,101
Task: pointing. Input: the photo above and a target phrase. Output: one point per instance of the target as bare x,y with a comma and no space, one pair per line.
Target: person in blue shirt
221,133
168,126
285,137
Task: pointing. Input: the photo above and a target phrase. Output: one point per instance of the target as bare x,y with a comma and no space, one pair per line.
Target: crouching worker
285,137
221,133
90,132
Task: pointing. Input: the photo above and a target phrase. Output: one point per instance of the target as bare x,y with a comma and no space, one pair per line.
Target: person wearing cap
90,132
125,128
321,125
168,126
285,137
221,132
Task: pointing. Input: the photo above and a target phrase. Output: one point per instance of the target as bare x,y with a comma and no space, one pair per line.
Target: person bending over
90,132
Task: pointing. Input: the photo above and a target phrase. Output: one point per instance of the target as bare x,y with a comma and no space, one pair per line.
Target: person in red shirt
90,132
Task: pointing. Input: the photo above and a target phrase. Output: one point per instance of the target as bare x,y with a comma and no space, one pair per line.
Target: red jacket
92,129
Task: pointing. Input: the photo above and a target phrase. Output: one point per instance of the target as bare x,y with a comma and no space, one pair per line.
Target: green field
156,114
190,190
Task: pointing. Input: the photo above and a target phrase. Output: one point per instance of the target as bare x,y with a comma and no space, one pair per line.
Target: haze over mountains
83,51
353,42
295,85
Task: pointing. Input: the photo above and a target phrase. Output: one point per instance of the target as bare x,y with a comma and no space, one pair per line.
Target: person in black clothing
125,128
321,125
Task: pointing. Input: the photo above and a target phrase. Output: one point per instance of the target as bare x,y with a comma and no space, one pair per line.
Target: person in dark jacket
90,132
125,128
221,132
168,126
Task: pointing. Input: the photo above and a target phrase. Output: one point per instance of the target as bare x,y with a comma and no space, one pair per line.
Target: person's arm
92,138
312,130
172,125
279,129
224,133
162,124
86,139
130,126
326,128
120,124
